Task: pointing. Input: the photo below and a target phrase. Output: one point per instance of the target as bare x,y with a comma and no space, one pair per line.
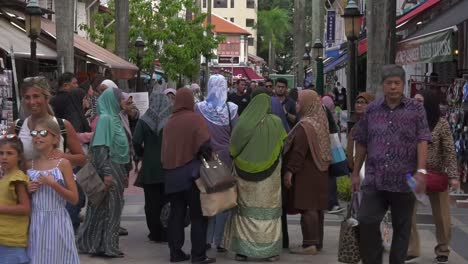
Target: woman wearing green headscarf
254,229
99,233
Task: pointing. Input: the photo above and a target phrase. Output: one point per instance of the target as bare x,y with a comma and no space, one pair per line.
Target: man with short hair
289,106
269,86
392,137
240,98
68,102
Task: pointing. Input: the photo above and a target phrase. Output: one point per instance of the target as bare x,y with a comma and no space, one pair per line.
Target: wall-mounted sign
231,46
437,47
331,27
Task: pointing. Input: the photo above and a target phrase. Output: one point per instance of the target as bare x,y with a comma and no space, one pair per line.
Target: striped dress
51,237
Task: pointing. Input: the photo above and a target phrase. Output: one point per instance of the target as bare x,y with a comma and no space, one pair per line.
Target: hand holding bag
92,184
348,247
338,164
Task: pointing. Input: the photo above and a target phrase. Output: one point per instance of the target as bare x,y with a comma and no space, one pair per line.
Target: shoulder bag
91,183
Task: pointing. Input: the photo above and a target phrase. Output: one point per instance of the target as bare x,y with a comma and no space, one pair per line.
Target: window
232,19
251,41
232,3
220,4
249,22
250,3
204,3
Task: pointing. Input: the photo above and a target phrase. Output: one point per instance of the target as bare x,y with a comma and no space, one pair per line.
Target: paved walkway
139,250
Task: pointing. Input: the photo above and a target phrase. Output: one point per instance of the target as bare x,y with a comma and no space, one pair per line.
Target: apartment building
240,12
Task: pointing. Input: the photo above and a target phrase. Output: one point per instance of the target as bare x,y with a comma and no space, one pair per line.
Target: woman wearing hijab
307,158
254,230
185,139
99,234
220,117
147,142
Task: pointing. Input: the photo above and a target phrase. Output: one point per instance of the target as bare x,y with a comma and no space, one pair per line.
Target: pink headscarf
327,101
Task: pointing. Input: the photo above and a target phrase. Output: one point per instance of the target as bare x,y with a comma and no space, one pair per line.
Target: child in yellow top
14,202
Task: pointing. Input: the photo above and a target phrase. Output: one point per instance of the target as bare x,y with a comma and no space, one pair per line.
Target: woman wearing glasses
35,98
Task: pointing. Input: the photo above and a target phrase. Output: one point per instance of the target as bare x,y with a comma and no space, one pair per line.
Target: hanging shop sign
331,25
436,47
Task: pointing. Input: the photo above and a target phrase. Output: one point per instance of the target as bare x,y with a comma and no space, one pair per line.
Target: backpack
61,123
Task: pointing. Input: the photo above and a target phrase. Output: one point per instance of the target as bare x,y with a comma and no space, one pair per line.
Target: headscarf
109,129
160,108
109,84
184,133
315,123
257,139
170,90
327,101
214,108
366,96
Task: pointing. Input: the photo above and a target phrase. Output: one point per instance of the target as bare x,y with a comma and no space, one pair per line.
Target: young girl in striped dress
51,237
14,202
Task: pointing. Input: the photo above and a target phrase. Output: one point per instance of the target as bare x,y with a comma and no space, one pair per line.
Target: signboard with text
141,101
437,47
331,26
230,46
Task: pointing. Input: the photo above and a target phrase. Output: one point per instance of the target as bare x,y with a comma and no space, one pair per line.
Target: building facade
240,12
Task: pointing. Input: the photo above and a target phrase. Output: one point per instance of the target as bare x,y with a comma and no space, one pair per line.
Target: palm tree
273,25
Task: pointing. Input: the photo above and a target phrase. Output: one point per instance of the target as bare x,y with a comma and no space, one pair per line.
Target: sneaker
411,259
441,260
336,209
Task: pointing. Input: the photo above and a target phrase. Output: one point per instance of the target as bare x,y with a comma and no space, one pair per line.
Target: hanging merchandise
6,96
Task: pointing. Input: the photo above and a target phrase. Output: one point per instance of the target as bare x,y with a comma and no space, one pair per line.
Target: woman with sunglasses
36,96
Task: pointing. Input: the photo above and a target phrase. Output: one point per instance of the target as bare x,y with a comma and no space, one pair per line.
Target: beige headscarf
315,123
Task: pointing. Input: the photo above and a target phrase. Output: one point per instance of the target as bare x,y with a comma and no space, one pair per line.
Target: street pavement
139,250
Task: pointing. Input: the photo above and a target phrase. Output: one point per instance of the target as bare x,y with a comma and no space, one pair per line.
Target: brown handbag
348,247
92,184
216,176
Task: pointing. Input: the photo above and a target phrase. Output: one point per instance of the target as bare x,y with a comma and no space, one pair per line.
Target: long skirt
254,230
99,233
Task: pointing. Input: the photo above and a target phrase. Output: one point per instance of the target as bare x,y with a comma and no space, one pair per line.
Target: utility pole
299,39
121,34
381,15
65,17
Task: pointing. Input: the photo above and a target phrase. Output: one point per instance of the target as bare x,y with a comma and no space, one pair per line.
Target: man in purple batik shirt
392,137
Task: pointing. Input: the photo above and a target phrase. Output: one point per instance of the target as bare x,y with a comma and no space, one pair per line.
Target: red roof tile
224,26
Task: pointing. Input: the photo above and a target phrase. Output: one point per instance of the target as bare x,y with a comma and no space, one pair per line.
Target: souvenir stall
6,96
457,99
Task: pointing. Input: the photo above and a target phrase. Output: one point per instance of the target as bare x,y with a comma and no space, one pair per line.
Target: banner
437,47
331,26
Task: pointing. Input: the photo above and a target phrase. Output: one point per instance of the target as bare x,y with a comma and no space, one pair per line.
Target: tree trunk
271,56
299,39
381,38
65,18
121,33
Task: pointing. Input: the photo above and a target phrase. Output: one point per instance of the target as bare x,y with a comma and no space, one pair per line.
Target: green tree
273,26
168,36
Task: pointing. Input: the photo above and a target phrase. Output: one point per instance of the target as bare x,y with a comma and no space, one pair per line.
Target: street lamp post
318,47
352,17
307,59
140,46
33,29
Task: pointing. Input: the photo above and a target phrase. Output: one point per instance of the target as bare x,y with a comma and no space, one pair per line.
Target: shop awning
246,73
429,48
256,59
452,17
121,69
14,36
416,11
335,63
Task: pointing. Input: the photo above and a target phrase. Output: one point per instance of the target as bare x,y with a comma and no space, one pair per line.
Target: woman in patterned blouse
441,157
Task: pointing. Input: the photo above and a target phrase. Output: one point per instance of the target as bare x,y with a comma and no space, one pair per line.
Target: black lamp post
140,46
33,29
352,17
307,59
318,47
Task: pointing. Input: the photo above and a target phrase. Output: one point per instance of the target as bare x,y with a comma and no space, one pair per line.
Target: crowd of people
276,139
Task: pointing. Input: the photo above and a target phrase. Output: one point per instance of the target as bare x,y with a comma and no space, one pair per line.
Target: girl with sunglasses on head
14,202
51,237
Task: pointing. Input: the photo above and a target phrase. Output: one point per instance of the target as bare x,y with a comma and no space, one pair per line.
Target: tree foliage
177,43
273,26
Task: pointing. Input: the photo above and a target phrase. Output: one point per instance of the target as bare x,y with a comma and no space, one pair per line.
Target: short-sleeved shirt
290,107
13,228
391,137
241,101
